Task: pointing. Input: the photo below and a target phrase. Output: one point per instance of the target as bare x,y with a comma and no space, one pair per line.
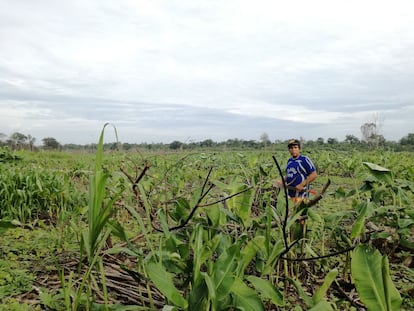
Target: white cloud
317,64
294,113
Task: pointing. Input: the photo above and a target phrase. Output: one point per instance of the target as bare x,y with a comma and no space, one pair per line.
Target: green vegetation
371,140
205,230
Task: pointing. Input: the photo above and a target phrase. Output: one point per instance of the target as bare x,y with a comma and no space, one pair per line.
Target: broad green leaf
118,307
292,220
404,223
245,298
375,167
405,242
277,249
220,185
410,213
183,204
308,300
370,273
202,251
213,213
209,248
250,250
241,203
225,286
321,292
359,224
224,269
164,224
212,290
314,215
198,246
379,172
340,193
164,282
197,297
267,290
392,295
322,306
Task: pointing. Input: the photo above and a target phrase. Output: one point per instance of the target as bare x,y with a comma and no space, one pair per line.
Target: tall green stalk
99,212
93,239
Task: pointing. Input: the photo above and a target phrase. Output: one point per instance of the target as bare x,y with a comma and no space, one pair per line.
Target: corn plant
94,237
28,194
99,209
7,156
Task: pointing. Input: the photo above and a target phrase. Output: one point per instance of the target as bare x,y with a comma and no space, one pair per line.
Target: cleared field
204,231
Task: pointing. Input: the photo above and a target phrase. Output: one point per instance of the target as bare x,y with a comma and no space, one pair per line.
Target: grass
28,263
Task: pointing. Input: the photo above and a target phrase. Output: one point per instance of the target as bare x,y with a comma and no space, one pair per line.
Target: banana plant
370,273
392,199
214,276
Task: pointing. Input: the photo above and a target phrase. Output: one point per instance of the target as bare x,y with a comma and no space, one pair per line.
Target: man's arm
311,177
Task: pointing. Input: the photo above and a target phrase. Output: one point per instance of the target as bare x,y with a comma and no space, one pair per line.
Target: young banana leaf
370,272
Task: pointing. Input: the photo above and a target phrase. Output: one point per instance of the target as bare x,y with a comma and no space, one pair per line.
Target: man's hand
300,187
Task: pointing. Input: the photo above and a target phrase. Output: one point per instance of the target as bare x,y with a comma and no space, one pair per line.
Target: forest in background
370,140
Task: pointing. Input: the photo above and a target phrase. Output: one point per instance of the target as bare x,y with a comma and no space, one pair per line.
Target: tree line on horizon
370,140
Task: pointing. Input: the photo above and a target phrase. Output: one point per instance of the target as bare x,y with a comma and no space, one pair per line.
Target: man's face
294,151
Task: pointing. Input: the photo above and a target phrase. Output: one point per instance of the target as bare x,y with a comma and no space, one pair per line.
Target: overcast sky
192,70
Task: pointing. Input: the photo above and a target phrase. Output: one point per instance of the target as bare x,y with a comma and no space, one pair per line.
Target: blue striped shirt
297,170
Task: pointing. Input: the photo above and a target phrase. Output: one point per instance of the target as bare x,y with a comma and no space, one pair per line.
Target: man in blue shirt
300,172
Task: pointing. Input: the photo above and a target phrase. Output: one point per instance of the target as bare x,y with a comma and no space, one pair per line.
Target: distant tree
176,145
50,143
127,146
207,143
320,141
351,139
407,140
18,140
115,146
233,142
194,144
332,141
250,144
